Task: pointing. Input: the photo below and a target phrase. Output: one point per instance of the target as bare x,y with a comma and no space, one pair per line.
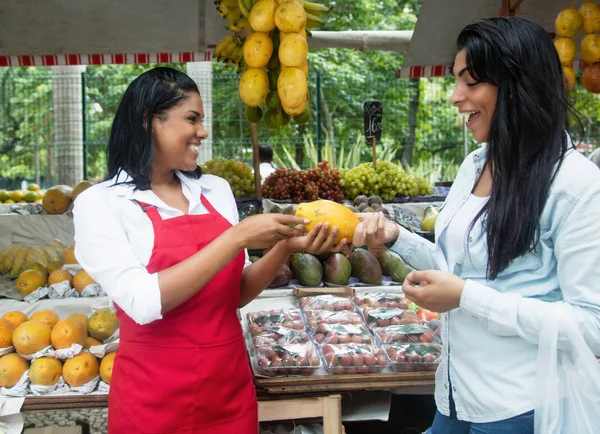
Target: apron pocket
224,385
159,387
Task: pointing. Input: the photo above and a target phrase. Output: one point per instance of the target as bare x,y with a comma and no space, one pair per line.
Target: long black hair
527,139
130,143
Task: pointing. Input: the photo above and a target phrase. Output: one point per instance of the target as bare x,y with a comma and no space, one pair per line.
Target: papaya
57,199
365,267
324,211
337,269
80,188
307,269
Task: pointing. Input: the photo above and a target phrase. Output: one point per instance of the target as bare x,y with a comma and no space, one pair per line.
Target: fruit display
270,49
45,371
236,173
290,359
414,333
381,299
414,357
81,369
278,335
304,185
33,194
569,22
282,278
366,267
260,321
366,204
325,302
323,211
387,316
316,317
354,358
343,334
386,180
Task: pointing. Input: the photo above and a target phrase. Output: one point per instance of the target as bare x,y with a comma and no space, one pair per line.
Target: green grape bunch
386,180
236,173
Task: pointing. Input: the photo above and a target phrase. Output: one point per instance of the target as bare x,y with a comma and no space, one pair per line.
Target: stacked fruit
275,56
301,185
568,23
44,329
386,180
18,257
32,194
238,174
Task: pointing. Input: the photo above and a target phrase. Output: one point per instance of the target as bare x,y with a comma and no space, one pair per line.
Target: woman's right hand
374,230
264,230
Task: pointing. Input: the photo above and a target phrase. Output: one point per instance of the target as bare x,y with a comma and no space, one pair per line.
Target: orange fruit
15,317
67,332
103,323
46,316
30,280
106,367
80,369
45,371
68,256
81,280
12,368
6,331
31,336
39,267
91,342
58,276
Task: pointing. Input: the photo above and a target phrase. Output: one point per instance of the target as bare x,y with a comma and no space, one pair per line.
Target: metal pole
84,125
319,150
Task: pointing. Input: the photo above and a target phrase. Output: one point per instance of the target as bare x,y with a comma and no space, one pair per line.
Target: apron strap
150,210
207,204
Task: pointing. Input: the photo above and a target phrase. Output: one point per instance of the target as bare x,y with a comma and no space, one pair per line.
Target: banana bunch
229,51
18,257
230,11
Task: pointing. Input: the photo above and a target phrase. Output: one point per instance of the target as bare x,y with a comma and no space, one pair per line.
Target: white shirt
455,238
265,170
490,342
114,237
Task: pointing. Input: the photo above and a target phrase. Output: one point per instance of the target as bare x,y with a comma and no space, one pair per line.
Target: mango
307,269
393,266
282,278
337,269
365,267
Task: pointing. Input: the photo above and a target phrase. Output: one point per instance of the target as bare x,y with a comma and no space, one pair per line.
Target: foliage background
420,127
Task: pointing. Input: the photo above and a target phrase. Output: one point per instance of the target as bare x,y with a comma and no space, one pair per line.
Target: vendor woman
164,242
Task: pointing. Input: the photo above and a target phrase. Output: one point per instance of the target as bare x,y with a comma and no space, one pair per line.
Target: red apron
188,372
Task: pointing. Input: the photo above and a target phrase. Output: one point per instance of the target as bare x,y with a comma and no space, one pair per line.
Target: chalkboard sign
373,120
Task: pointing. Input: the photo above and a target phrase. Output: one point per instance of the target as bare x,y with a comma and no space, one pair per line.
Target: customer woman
516,238
164,242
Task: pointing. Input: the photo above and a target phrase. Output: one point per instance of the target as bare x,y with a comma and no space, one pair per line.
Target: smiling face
177,135
475,100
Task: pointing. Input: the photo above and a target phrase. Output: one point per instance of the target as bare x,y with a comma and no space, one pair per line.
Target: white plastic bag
568,381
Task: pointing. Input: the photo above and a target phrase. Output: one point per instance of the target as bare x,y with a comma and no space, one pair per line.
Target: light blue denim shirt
490,342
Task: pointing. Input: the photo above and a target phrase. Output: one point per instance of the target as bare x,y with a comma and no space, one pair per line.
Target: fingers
288,231
415,277
285,219
329,243
359,238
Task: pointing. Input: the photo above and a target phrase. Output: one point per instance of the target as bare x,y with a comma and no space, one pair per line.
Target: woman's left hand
319,240
434,290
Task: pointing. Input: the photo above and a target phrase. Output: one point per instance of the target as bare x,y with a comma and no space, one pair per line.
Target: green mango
365,267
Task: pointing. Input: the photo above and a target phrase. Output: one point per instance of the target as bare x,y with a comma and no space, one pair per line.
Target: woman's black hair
527,139
130,143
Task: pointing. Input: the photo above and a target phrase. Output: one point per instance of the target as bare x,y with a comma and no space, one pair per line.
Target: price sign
373,121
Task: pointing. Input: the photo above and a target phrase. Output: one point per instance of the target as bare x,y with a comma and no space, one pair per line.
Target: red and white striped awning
104,59
446,71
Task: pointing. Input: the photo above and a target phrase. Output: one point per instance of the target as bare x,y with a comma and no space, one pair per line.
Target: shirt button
470,239
459,264
446,386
